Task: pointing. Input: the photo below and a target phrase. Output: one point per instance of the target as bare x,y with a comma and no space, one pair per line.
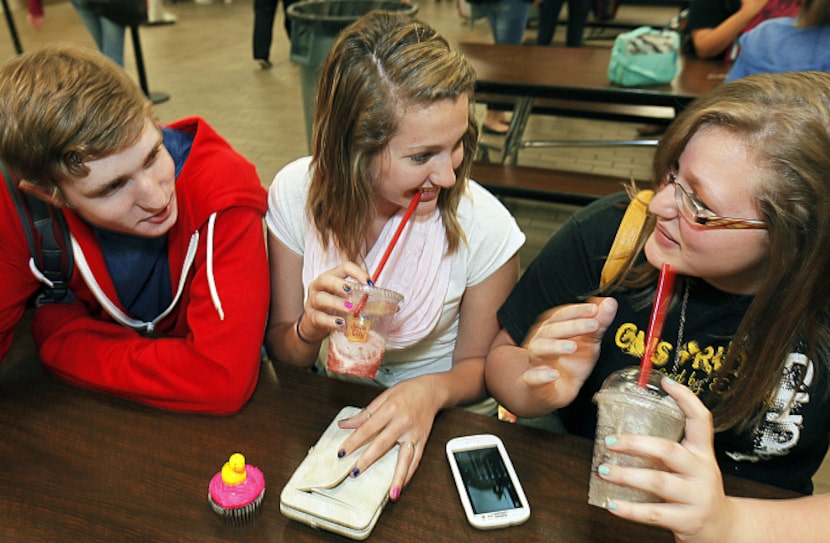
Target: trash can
314,26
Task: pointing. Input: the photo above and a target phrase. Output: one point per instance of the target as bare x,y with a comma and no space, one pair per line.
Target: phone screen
486,480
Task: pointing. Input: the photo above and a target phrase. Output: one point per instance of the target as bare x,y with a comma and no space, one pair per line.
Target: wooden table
578,74
79,466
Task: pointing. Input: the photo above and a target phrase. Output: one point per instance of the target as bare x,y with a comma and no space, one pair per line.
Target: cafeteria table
576,75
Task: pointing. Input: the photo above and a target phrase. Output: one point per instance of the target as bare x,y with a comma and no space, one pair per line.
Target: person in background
787,44
711,30
393,118
168,298
740,212
508,21
713,26
549,10
35,14
108,35
265,11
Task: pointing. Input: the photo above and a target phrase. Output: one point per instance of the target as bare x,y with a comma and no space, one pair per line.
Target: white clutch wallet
321,494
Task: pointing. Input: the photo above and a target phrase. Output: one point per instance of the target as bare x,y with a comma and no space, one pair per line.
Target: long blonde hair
379,66
786,120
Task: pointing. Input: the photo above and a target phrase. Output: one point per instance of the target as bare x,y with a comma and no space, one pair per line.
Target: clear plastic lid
624,381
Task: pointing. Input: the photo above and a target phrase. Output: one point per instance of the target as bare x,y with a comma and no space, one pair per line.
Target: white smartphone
487,484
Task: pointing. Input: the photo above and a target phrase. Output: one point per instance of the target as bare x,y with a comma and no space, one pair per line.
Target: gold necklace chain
681,328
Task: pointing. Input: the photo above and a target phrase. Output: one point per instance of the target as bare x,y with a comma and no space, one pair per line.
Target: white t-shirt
492,238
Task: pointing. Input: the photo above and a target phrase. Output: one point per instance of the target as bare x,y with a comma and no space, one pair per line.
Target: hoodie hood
205,194
214,179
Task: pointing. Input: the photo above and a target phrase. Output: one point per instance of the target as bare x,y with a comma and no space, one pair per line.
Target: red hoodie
202,354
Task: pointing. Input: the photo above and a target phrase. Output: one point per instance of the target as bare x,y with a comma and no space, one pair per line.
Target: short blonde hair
64,105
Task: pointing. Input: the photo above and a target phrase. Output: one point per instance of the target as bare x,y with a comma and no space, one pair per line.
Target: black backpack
48,238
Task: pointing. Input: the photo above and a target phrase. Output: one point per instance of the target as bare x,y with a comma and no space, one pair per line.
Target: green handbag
645,56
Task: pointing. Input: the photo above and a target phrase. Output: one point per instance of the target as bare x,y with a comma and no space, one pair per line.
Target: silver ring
407,444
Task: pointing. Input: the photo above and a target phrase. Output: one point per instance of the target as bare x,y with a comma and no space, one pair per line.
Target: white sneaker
164,19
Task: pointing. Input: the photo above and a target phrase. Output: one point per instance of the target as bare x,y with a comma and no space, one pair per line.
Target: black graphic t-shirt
790,444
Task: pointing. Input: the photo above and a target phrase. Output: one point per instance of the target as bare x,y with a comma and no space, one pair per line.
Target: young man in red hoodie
169,291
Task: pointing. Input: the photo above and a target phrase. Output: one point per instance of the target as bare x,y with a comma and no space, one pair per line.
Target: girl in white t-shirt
393,119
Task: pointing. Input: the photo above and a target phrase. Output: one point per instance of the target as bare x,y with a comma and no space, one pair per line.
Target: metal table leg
515,133
155,97
12,28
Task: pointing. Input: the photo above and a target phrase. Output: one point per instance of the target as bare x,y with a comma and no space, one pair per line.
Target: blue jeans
508,19
108,36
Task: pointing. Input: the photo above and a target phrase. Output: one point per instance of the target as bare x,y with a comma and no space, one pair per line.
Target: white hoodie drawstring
38,274
116,313
214,294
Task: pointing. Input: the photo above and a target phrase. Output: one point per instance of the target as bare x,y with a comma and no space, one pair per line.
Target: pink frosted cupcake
236,492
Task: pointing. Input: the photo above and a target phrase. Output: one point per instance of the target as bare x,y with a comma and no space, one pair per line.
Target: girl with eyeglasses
742,212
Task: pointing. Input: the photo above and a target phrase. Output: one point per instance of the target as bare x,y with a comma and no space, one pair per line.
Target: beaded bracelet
299,335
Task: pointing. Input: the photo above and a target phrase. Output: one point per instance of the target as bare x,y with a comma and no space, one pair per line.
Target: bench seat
560,186
584,109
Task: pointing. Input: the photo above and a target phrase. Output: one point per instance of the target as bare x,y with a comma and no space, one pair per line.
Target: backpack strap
626,238
51,252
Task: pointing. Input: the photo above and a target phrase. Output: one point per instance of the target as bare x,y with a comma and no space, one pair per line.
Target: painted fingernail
671,382
370,283
396,492
355,472
347,288
339,322
550,376
610,440
612,506
348,305
603,469
341,453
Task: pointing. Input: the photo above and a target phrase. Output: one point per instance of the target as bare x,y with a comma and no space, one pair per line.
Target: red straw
658,317
392,243
409,211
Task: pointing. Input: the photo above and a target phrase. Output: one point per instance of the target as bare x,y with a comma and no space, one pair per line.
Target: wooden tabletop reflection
80,466
581,73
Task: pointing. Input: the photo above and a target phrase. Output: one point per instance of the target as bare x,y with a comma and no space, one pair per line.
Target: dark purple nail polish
339,322
347,288
355,472
341,453
370,283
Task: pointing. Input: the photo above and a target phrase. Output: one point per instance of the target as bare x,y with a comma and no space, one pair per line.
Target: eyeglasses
694,212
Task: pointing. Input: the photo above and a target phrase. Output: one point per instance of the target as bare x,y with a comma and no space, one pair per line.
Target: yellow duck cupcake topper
233,472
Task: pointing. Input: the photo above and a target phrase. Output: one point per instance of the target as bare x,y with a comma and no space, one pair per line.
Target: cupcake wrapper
239,516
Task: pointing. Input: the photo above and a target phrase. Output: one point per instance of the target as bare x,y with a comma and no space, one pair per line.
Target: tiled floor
204,63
